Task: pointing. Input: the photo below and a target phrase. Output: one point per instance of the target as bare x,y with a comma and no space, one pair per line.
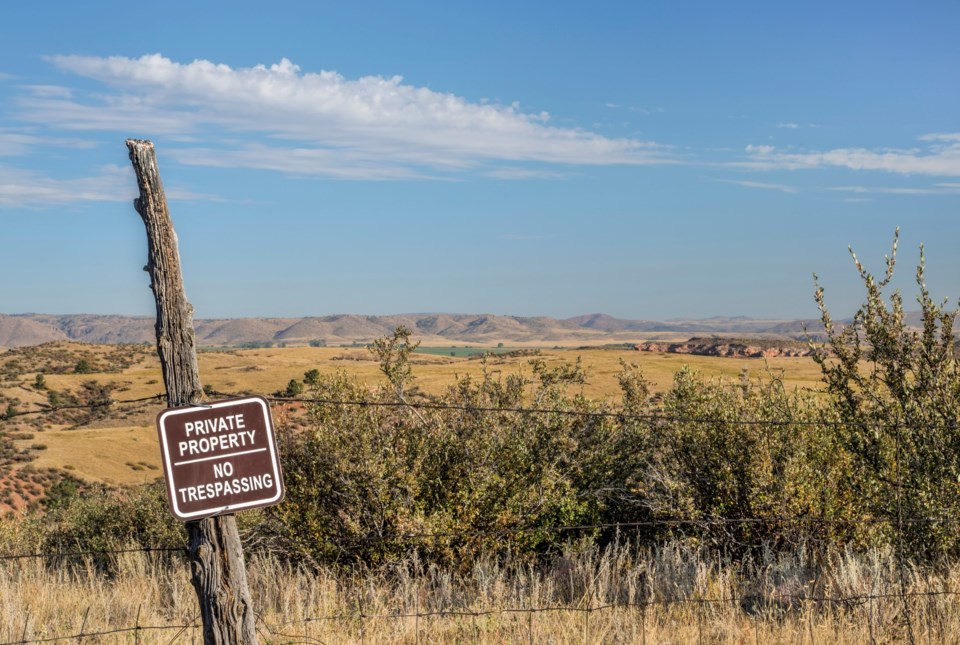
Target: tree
294,388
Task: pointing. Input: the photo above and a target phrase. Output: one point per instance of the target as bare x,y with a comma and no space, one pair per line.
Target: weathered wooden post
216,556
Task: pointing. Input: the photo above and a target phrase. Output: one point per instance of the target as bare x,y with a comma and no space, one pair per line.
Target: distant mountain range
432,329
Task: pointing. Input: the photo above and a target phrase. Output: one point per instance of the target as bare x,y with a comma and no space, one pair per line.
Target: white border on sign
210,512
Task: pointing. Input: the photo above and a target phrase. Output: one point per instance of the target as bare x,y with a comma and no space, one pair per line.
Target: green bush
363,474
102,520
896,388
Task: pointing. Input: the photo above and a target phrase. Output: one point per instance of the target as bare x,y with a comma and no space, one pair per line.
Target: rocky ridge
730,348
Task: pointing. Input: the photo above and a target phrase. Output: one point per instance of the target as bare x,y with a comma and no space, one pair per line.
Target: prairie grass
620,594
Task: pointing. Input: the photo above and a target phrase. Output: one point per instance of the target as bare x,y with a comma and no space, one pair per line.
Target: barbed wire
619,415
104,403
107,632
640,604
61,555
343,542
274,629
427,405
624,527
663,523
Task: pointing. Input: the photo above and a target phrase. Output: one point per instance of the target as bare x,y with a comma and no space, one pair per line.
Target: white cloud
15,144
760,184
645,111
639,109
19,142
952,137
790,125
525,173
28,189
20,188
936,189
301,162
392,128
939,158
49,91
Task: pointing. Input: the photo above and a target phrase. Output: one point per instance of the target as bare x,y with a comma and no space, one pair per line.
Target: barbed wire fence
280,631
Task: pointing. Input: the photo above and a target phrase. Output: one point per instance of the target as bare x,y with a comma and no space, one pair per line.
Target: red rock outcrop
727,348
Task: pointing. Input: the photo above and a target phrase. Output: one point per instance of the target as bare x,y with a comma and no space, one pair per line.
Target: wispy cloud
299,161
760,184
30,189
376,127
525,173
949,137
935,189
788,126
939,157
26,188
645,111
49,91
19,142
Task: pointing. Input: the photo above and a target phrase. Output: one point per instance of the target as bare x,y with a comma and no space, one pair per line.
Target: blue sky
646,160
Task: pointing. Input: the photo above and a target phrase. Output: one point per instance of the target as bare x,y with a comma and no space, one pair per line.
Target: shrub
363,474
63,493
897,390
294,389
101,520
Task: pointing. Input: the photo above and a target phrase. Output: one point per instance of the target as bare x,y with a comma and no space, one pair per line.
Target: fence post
216,556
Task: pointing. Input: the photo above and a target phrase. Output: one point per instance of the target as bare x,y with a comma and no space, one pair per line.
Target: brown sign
219,458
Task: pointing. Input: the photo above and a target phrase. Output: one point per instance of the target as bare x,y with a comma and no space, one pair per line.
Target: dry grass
121,447
121,455
268,370
587,597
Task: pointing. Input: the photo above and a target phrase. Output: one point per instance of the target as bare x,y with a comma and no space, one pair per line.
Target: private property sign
219,458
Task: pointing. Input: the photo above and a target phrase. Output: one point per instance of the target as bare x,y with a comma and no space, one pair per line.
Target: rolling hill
32,329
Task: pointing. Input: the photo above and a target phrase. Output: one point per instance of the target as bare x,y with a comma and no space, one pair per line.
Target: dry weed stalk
620,594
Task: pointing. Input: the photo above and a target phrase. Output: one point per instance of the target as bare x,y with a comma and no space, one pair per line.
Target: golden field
121,447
